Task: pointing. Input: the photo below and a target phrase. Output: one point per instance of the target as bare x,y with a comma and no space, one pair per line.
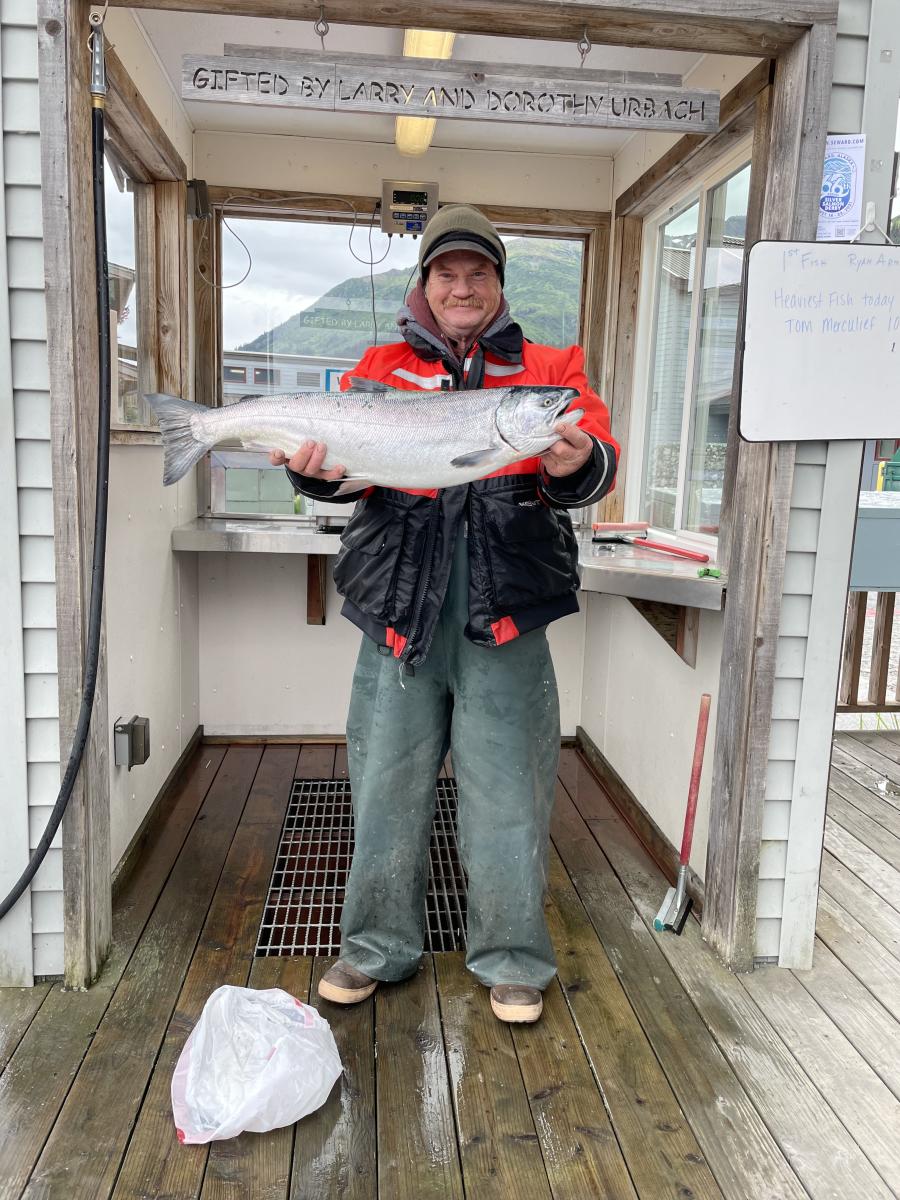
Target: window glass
692,362
543,287
723,260
671,328
127,405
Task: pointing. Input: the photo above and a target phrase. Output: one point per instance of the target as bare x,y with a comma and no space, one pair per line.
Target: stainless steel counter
615,570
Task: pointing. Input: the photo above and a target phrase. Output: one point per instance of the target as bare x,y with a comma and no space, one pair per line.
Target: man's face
463,292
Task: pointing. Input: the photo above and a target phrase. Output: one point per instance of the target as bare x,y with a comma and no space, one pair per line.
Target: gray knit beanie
460,227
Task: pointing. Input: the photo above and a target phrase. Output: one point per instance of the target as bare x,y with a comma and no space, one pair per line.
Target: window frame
698,192
592,228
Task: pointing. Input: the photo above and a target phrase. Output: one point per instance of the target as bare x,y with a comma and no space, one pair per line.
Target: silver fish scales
382,436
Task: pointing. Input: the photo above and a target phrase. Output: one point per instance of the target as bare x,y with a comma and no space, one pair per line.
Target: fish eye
549,402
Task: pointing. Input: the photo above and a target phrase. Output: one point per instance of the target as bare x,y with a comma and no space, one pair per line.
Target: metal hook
320,28
96,18
583,46
870,225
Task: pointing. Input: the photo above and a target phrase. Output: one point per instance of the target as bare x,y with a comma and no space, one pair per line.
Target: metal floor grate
306,892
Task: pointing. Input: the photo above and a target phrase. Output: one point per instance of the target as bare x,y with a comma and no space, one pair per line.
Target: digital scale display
404,197
407,205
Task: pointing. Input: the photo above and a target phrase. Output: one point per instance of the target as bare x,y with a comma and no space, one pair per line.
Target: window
128,407
309,308
696,266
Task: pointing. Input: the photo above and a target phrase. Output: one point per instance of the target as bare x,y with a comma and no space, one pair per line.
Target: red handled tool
677,904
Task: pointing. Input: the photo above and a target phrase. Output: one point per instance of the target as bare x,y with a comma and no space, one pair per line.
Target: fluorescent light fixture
413,134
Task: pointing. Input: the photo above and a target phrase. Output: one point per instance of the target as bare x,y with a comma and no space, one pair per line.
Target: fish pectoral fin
475,458
367,385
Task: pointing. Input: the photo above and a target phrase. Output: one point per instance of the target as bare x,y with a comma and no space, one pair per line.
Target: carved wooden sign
427,88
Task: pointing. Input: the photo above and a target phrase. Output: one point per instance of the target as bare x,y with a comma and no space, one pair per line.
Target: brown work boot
516,1002
343,984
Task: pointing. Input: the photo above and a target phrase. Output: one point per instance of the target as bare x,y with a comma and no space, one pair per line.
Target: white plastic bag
256,1060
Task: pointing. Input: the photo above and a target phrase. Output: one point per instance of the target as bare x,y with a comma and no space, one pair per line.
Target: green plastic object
712,572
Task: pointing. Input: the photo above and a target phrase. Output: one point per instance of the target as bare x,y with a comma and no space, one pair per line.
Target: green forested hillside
543,285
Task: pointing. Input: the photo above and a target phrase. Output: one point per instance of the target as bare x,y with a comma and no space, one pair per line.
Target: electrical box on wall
132,742
407,206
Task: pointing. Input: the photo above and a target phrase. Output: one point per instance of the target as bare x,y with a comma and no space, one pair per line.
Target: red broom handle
696,768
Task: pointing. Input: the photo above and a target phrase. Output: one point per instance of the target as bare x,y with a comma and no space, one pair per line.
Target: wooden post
762,491
881,648
72,339
851,654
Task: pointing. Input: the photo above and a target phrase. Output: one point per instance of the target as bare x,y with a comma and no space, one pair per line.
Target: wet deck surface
653,1073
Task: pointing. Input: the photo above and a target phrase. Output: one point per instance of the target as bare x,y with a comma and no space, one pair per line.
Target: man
455,588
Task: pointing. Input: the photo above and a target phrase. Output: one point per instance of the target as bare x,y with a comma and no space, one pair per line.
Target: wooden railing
876,657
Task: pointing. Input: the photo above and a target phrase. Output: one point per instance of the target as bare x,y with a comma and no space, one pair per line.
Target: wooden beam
595,288
762,492
851,653
457,90
881,648
316,587
171,280
137,134
70,284
626,273
690,156
761,27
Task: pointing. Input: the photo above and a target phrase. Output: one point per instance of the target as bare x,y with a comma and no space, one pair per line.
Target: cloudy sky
293,263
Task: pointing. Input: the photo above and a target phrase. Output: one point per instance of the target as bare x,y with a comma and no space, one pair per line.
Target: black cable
92,651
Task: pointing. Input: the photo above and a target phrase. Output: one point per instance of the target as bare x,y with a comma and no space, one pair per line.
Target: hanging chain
321,26
583,46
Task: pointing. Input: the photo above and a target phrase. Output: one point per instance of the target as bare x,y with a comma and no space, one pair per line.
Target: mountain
543,286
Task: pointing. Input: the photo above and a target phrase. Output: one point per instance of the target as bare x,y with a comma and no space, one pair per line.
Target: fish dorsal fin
367,385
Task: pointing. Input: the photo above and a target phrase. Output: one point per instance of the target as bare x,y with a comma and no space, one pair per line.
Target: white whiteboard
821,342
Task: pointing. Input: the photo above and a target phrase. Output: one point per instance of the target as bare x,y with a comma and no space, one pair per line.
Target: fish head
527,416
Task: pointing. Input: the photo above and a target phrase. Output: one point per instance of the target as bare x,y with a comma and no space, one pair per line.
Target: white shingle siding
819,532
29,805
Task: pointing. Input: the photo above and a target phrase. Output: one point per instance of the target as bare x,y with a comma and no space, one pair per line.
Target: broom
677,904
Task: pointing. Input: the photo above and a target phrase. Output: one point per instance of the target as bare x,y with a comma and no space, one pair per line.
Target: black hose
92,652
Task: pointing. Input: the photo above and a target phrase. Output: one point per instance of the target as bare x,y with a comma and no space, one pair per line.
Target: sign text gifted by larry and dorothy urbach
406,87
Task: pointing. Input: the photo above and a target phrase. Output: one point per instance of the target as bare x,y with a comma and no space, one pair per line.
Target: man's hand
307,461
568,454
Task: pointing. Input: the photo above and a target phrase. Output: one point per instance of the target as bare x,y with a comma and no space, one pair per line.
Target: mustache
473,303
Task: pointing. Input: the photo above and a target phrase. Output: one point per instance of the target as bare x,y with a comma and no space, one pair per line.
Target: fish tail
181,447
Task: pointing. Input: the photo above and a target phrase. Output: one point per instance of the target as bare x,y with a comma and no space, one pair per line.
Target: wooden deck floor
654,1073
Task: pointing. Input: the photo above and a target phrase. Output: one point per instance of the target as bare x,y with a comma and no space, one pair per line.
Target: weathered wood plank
335,1147
579,781
758,542
713,1091
316,762
206,363
101,1107
856,1012
854,1092
253,1165
874,777
498,1144
824,1156
878,839
417,1152
868,802
316,588
340,763
864,863
451,90
874,914
155,1161
626,273
61,1032
72,344
881,647
170,266
860,952
657,1141
881,741
761,27
851,653
135,127
581,1155
690,156
18,1007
